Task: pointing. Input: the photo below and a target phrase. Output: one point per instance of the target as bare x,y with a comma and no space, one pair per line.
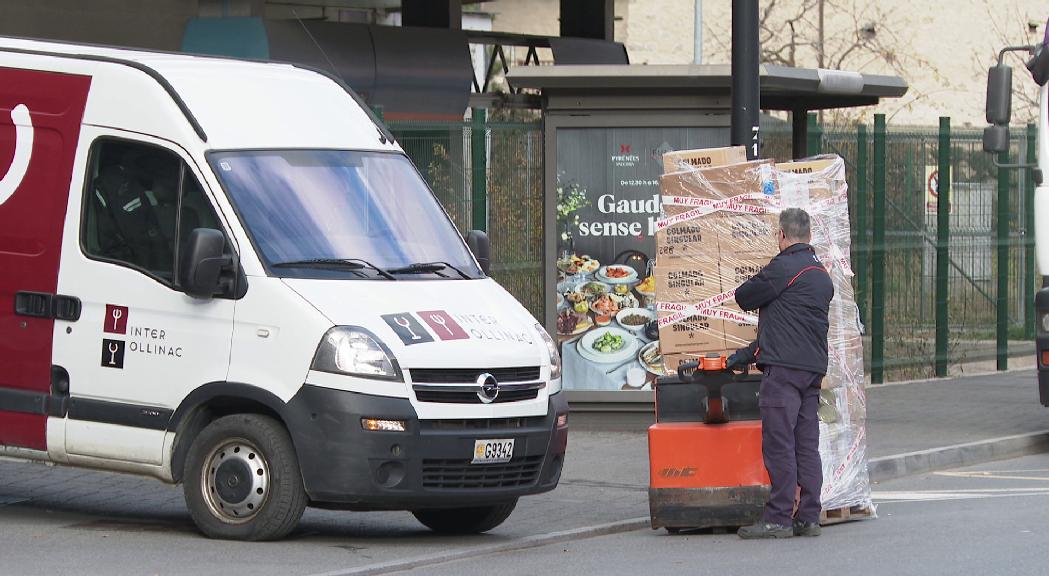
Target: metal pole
943,237
878,256
1002,306
862,245
479,170
799,130
746,92
815,133
697,54
1030,284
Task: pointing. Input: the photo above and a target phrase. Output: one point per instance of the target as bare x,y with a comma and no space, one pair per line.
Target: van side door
40,115
141,344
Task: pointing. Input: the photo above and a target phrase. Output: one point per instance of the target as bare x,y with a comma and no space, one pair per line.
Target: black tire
465,520
242,479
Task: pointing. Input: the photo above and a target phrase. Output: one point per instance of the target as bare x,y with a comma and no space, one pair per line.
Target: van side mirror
1038,65
202,262
996,139
479,244
999,94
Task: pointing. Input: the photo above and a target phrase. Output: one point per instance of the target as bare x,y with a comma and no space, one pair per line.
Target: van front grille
471,397
469,375
462,475
484,423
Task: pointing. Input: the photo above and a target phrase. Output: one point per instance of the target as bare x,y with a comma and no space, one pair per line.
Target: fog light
562,420
382,425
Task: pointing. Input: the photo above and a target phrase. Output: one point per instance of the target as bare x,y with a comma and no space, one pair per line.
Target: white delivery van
225,274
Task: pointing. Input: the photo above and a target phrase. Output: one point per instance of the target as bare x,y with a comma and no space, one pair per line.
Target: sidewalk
901,418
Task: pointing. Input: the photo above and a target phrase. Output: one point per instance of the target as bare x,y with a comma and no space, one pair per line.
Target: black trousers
790,441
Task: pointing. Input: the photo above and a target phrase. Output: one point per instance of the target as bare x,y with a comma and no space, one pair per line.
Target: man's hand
742,357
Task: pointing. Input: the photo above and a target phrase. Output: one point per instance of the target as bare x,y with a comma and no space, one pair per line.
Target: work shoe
762,529
806,528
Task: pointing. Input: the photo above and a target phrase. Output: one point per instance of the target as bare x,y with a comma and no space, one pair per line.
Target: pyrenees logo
23,151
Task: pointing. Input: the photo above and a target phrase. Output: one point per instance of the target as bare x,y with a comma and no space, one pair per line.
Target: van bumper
427,465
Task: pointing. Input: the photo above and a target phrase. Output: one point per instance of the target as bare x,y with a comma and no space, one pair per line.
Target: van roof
229,103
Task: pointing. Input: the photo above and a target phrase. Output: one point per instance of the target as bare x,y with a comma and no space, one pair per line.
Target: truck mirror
996,139
478,242
999,94
202,262
1038,65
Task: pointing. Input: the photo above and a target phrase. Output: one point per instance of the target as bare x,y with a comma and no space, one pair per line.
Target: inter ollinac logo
23,151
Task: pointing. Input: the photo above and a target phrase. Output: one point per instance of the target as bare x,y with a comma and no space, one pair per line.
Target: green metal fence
489,176
937,288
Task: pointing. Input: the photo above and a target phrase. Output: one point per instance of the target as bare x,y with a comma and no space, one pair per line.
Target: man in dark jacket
793,293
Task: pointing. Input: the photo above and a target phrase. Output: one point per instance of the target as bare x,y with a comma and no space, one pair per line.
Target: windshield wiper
426,268
344,263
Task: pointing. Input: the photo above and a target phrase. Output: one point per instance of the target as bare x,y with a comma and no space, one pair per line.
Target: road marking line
511,546
943,495
992,476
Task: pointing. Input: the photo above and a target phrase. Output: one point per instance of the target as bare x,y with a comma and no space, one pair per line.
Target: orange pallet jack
704,451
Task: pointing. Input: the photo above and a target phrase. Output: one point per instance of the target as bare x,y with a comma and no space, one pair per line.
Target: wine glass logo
407,325
23,152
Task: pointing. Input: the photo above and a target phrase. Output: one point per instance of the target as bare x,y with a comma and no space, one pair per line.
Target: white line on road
888,497
996,475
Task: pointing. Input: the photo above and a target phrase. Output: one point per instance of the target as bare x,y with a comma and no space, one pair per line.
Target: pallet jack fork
705,463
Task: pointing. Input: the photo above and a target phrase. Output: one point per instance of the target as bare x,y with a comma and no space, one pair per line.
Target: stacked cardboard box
724,227
709,246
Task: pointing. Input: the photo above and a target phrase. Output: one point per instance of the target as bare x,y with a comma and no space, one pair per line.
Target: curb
910,463
1006,372
511,546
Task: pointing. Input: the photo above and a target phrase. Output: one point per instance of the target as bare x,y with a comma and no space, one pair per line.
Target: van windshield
343,214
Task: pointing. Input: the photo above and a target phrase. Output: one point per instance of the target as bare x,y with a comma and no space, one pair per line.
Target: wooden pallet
847,514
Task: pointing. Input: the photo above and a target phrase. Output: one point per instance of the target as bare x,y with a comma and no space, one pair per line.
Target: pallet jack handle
712,372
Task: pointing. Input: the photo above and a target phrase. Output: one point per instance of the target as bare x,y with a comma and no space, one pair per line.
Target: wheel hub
236,481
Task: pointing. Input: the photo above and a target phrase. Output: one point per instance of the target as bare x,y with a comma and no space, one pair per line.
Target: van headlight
551,348
354,351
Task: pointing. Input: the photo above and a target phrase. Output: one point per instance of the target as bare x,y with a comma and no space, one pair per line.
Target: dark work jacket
793,293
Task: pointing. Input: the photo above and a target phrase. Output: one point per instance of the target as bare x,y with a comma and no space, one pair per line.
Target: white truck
226,274
995,140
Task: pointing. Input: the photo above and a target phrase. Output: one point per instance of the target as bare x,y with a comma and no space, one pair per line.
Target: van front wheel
242,479
465,520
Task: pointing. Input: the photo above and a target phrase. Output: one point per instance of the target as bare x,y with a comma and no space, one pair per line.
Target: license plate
493,451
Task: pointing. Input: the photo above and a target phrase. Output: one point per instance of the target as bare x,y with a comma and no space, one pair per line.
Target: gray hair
794,222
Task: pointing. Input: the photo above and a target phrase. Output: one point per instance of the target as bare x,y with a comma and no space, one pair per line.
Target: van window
141,203
304,207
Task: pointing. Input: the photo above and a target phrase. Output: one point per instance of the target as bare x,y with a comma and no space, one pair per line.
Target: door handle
44,305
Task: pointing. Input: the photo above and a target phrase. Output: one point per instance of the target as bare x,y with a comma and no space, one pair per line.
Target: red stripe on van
31,223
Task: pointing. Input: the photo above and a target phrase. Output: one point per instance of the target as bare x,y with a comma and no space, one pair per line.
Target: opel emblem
489,388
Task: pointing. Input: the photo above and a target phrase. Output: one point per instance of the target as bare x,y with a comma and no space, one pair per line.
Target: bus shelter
606,128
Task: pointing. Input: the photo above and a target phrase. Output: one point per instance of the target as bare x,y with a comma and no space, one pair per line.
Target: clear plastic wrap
718,229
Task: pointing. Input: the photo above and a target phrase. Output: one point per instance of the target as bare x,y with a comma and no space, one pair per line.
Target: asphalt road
988,519
56,520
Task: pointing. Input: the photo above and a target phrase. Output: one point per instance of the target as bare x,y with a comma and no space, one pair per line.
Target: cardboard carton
736,269
689,285
702,158
755,236
745,225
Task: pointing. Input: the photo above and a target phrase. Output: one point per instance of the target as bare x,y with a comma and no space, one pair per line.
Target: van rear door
40,115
